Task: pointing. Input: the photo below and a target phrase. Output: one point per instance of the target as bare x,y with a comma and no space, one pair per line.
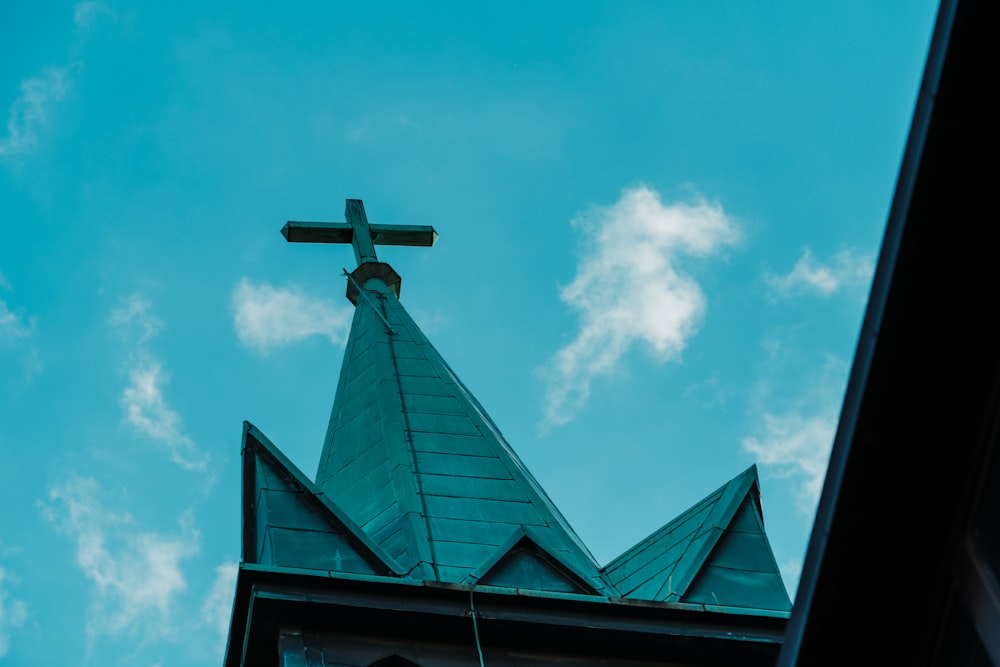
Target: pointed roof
288,523
417,486
416,481
523,562
715,554
414,459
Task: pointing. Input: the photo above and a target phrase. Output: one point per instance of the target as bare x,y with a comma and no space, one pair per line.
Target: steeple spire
411,455
417,487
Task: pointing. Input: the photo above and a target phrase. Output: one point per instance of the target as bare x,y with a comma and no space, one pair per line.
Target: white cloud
12,326
630,287
144,406
86,14
30,111
136,574
147,411
267,318
797,445
217,607
844,270
135,311
795,414
13,612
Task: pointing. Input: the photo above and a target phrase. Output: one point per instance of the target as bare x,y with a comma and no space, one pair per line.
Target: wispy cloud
630,286
87,14
796,445
143,403
135,314
266,318
793,438
13,612
147,411
217,607
846,269
12,325
30,111
136,573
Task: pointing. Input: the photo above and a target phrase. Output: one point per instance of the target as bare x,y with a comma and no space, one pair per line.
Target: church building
424,540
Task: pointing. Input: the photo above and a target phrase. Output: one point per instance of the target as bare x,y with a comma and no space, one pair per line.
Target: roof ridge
717,520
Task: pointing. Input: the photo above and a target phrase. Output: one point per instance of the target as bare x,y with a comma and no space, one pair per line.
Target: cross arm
317,232
418,235
343,232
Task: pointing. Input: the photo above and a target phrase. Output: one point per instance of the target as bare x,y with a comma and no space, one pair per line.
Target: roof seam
487,431
409,444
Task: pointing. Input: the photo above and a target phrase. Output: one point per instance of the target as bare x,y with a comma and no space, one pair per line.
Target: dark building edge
882,578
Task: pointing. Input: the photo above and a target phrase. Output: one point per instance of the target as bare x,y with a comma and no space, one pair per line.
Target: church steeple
425,539
413,457
416,481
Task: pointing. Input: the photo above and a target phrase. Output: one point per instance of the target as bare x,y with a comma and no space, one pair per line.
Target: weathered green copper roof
524,562
716,553
412,456
288,523
416,481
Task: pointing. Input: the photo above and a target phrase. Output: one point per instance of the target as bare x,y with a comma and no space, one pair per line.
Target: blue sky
658,225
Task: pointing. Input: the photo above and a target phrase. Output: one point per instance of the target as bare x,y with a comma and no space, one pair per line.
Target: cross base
369,270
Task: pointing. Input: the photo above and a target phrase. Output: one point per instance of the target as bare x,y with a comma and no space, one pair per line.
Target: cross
359,233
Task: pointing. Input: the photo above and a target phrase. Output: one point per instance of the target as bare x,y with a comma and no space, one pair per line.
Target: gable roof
524,562
716,554
414,459
288,523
